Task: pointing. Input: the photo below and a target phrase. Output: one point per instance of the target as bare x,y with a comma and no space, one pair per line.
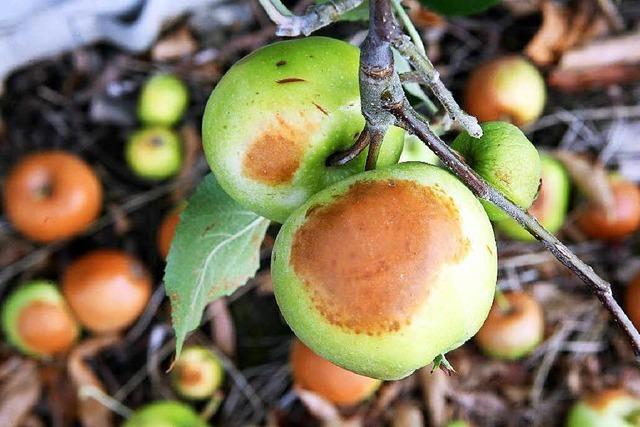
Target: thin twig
318,16
343,157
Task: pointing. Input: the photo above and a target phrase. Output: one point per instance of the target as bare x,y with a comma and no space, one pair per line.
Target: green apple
384,271
514,327
508,88
550,207
163,100
37,320
609,408
197,373
417,151
506,159
278,114
154,153
165,414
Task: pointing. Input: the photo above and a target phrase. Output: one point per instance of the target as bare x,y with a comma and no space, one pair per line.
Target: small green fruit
154,153
197,373
385,270
609,408
506,159
550,207
163,100
36,319
513,329
508,88
278,114
416,151
165,414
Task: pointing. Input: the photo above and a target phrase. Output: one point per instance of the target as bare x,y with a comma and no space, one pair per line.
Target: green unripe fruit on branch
37,320
507,160
385,270
163,100
278,114
154,153
165,414
550,207
508,88
197,373
608,408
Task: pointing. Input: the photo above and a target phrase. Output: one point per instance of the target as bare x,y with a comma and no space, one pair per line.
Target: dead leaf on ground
562,28
92,413
590,178
407,414
435,386
325,411
175,45
19,391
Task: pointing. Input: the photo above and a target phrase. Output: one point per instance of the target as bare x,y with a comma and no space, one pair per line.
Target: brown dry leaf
590,178
223,330
175,45
19,391
564,27
319,407
435,386
407,414
92,413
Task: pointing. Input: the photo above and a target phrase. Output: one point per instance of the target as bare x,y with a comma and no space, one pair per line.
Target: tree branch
318,16
392,99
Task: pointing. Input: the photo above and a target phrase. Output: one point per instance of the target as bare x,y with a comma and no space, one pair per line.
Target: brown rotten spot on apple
601,400
274,156
367,258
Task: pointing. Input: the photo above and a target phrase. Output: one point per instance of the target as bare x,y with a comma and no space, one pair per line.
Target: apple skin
197,373
506,159
632,301
458,423
508,88
608,408
154,153
550,207
337,385
51,327
593,220
415,150
514,334
275,117
165,414
163,100
385,270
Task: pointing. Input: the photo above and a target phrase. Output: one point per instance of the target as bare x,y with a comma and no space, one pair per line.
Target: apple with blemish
106,289
608,408
508,88
197,373
163,100
166,413
624,218
37,320
514,328
507,160
52,195
382,272
278,114
337,385
550,207
154,153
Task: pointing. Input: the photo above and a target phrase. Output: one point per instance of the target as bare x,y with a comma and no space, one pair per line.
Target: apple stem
343,157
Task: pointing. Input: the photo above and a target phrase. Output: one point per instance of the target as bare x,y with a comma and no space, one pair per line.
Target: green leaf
360,13
215,250
458,7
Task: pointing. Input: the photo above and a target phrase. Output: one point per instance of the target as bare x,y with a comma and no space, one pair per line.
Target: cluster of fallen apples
378,273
